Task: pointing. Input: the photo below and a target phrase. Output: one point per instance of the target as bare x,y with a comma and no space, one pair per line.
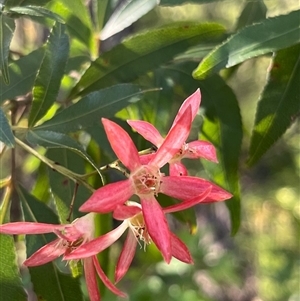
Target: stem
61,169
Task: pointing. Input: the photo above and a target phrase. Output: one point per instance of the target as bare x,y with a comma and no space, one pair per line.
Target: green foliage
87,60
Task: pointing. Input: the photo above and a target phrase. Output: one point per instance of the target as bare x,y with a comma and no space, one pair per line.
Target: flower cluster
146,221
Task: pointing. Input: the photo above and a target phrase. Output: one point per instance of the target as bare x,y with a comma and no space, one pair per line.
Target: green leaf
11,287
253,12
7,28
144,52
22,75
36,11
51,139
279,103
223,128
13,3
6,135
48,282
77,20
91,108
125,14
48,79
258,39
180,2
61,187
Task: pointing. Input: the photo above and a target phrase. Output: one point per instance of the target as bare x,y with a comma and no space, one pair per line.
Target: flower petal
180,250
46,254
97,245
91,279
126,256
201,149
106,198
145,159
122,144
29,228
177,169
157,226
123,212
193,101
105,279
185,188
174,140
147,130
189,203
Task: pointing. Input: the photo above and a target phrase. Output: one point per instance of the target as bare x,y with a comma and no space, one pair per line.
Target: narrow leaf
51,139
91,108
279,104
144,52
48,79
36,11
6,135
22,75
258,39
223,128
125,14
7,28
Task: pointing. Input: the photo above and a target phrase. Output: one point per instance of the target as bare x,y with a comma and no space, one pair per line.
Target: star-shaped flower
70,237
191,150
146,181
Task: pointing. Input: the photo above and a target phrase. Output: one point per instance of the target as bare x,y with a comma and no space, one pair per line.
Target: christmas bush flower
70,237
132,217
191,150
146,181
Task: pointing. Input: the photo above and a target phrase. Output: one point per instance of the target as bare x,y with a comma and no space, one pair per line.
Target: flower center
147,180
137,225
180,154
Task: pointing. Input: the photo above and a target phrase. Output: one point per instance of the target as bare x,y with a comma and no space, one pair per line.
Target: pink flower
70,237
132,216
146,181
191,150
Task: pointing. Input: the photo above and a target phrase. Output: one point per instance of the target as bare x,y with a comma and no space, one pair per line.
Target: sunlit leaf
6,135
279,103
10,279
180,2
36,11
48,79
128,12
90,109
144,52
7,28
22,75
270,35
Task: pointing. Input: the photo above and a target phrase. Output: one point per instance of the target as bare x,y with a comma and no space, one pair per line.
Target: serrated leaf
270,35
7,28
6,135
90,109
127,13
50,139
144,52
223,128
48,79
36,11
48,282
10,280
22,75
279,103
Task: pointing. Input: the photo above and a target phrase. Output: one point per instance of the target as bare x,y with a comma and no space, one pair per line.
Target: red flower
191,150
146,181
70,237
